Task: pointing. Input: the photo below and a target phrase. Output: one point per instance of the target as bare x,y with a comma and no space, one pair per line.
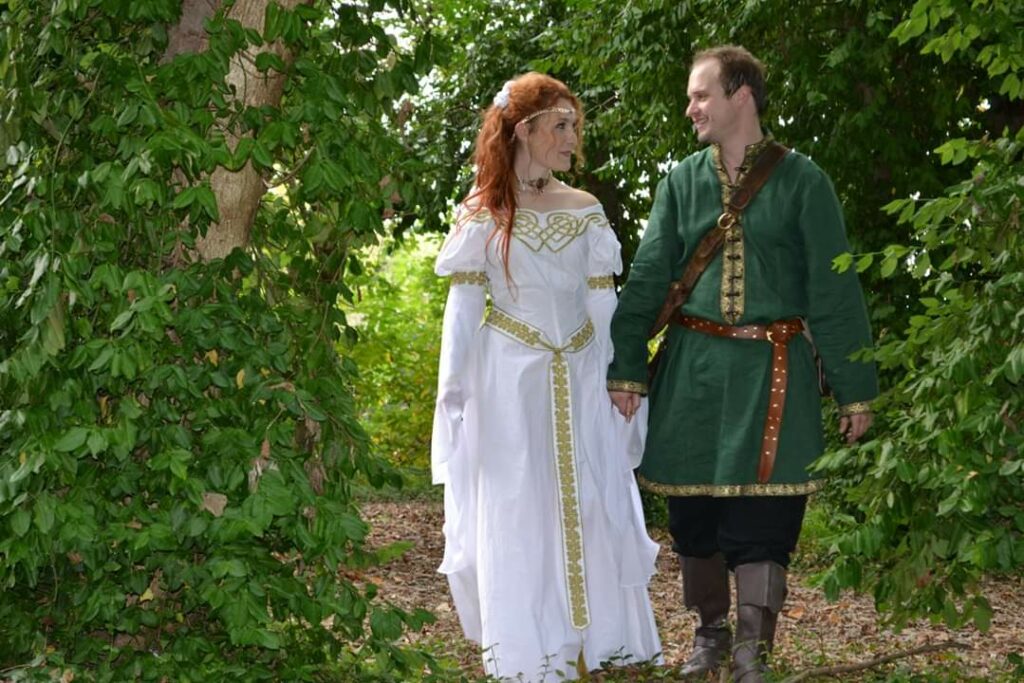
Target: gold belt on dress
565,450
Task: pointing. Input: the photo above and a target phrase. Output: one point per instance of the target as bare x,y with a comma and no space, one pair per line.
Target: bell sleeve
463,260
604,261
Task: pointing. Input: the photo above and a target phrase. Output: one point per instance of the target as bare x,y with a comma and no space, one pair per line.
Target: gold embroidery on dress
565,451
601,282
731,490
556,232
732,289
470,278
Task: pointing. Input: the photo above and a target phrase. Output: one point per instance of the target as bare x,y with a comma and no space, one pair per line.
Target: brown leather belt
778,334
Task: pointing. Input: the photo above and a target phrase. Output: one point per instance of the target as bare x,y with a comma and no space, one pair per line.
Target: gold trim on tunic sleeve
855,408
469,278
566,472
731,490
601,282
627,385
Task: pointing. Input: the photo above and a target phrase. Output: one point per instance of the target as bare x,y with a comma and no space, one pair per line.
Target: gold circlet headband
549,110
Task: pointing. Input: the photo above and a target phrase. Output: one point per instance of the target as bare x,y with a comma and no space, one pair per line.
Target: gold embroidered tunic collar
750,154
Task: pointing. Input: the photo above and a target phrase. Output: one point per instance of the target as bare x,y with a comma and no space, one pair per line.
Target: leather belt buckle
726,220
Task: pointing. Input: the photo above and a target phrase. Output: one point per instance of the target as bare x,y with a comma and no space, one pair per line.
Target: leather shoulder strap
711,242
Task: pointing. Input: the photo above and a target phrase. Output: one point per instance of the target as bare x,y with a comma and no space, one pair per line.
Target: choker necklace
534,185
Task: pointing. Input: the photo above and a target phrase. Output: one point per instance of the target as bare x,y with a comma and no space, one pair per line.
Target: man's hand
627,402
853,426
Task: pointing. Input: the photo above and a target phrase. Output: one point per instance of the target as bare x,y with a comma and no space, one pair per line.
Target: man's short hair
739,68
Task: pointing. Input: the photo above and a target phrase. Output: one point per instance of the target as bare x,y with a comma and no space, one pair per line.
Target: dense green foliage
177,438
397,312
936,500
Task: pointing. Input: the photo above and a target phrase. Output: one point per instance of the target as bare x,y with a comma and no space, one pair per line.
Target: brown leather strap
778,334
711,242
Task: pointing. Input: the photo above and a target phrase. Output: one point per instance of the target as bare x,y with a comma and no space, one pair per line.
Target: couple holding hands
545,408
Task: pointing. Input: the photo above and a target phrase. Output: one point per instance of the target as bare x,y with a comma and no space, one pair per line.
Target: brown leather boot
706,590
760,593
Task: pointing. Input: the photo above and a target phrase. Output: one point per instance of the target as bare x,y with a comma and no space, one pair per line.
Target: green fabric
709,398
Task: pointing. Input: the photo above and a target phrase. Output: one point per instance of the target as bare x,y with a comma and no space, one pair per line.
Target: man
735,405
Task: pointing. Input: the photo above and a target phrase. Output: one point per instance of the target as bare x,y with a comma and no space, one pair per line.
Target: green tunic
710,395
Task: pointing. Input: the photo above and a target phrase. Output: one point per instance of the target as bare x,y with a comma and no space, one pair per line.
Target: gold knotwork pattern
601,282
556,231
731,490
470,278
566,472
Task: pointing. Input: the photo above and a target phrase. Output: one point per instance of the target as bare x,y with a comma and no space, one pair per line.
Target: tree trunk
238,193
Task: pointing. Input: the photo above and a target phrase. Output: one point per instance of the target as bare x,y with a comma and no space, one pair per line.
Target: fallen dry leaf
214,503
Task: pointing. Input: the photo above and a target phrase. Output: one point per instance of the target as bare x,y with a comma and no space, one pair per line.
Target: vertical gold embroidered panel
733,294
731,290
566,473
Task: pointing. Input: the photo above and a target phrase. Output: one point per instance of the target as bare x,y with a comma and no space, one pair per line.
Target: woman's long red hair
495,183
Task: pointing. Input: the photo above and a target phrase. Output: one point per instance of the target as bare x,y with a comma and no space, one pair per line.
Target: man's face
714,115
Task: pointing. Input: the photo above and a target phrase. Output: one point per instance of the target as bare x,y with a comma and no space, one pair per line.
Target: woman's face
553,137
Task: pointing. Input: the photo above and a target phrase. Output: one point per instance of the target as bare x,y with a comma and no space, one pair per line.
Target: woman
545,547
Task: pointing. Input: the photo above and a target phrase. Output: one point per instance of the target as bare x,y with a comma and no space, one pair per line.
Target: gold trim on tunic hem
855,408
601,282
731,490
566,472
627,385
469,278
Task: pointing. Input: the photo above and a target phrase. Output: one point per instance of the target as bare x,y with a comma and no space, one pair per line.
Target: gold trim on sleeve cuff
627,385
601,282
731,490
469,278
855,408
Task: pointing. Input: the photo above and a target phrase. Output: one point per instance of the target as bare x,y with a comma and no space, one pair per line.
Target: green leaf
20,521
43,512
982,614
842,262
269,60
864,262
72,439
385,624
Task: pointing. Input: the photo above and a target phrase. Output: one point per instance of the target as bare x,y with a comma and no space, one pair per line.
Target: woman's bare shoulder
578,199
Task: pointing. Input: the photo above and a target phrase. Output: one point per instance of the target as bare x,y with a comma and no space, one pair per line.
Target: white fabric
493,450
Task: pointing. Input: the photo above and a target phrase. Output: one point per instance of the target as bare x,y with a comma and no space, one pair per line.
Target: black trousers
745,528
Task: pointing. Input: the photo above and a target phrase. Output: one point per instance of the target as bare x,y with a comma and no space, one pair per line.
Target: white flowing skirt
504,553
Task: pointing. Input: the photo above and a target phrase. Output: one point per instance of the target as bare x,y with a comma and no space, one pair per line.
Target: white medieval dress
546,551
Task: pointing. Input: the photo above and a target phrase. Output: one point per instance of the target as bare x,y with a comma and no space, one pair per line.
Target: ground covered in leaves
812,632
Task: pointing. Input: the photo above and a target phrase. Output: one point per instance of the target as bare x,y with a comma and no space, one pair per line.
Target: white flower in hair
501,99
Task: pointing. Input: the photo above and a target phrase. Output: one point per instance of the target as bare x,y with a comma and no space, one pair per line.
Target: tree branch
877,661
287,178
